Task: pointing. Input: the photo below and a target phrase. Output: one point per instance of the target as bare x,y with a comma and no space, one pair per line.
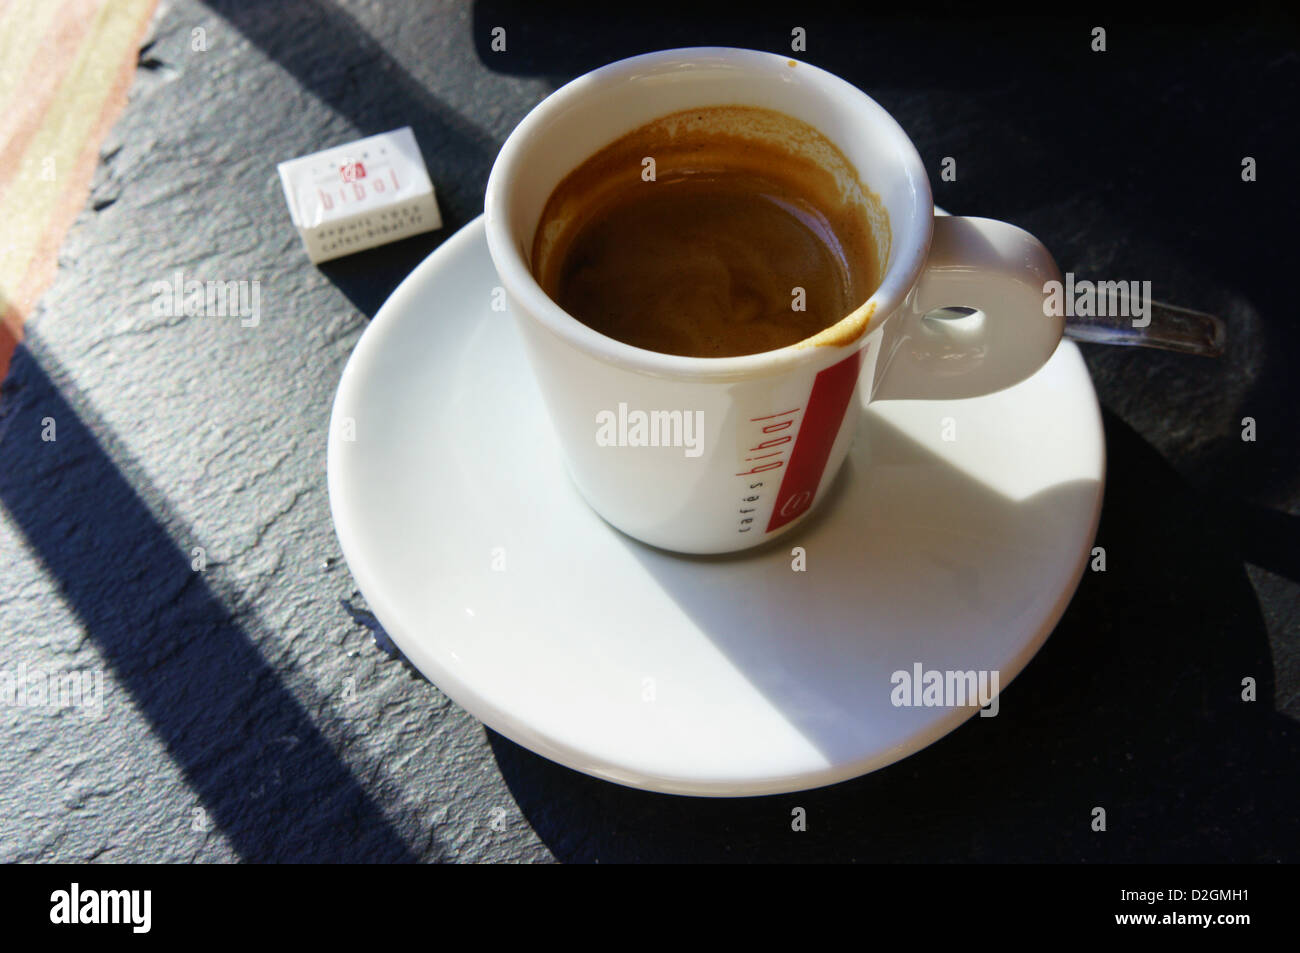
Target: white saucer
695,675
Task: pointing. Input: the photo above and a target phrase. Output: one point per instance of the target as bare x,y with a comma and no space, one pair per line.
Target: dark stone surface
248,714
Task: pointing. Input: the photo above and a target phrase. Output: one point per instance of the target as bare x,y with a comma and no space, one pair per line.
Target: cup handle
936,351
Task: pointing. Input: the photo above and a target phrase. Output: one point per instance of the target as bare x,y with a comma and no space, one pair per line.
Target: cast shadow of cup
906,550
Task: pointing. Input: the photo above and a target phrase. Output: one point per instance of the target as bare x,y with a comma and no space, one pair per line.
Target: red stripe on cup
831,392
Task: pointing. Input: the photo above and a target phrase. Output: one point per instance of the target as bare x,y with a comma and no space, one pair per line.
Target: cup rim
897,282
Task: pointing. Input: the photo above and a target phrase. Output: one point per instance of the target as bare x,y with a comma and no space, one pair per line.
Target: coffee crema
712,232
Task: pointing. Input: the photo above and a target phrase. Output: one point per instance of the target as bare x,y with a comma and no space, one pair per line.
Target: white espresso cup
717,454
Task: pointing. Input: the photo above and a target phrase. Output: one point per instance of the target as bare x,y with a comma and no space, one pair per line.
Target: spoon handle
1170,329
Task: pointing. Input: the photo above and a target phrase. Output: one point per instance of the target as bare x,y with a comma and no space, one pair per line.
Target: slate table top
225,733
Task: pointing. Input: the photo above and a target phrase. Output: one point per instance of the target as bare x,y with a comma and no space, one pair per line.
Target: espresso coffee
712,233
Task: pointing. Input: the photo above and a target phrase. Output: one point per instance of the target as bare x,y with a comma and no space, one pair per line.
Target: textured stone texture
249,716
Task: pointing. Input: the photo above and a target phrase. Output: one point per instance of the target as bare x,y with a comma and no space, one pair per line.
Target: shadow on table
1134,705
326,50
521,38
268,779
368,278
